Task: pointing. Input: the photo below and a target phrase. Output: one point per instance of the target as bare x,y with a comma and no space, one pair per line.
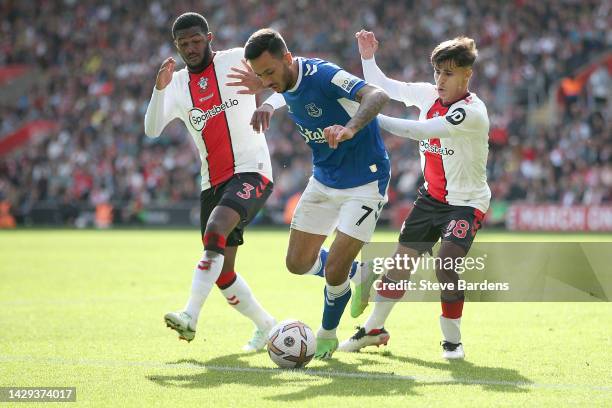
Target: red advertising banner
523,217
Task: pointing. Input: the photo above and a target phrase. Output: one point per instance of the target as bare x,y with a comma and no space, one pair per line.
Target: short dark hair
188,20
461,50
263,40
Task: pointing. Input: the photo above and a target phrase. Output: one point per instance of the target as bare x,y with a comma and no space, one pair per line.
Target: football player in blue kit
335,112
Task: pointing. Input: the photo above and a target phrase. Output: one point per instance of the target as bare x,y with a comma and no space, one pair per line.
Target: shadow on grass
465,372
344,379
351,380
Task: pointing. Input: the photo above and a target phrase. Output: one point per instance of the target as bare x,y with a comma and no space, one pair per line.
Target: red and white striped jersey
455,168
216,116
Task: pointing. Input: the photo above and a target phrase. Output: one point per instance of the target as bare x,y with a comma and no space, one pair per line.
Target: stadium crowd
94,66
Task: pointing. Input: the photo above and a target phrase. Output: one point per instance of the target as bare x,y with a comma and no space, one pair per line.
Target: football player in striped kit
236,169
452,132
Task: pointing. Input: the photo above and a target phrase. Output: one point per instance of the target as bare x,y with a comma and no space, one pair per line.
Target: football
291,344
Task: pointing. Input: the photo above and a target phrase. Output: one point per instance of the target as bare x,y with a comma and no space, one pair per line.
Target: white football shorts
353,211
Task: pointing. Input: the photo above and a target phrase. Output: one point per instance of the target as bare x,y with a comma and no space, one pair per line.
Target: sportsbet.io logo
425,146
198,117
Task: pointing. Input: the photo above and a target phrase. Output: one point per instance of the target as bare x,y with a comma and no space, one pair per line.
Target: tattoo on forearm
371,104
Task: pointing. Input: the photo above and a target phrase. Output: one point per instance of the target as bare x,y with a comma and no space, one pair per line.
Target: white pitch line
95,301
306,371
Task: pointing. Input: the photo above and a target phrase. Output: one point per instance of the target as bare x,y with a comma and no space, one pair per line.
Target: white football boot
259,339
452,351
181,323
361,339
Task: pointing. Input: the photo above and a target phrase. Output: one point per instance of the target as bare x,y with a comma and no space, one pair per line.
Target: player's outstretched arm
368,45
413,129
158,112
371,100
246,78
462,121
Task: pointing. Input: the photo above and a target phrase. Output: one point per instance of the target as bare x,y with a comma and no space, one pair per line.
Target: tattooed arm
371,100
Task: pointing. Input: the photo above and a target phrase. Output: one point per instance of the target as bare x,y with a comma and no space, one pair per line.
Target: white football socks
451,329
205,275
382,310
339,290
314,269
241,298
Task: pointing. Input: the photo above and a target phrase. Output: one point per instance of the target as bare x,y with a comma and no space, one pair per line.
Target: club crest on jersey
203,83
313,110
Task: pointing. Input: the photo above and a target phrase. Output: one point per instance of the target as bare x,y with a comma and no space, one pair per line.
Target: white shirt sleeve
410,93
160,112
466,120
462,121
414,129
275,100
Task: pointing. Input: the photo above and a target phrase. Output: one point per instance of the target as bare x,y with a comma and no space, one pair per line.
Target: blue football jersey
324,95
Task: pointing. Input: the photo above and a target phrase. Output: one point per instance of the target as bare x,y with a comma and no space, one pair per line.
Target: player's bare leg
303,252
303,257
373,332
337,291
221,222
452,302
240,297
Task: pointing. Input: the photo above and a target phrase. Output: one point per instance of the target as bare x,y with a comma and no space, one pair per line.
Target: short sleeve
338,82
346,84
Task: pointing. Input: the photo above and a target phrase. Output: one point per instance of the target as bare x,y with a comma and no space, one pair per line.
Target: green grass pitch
84,309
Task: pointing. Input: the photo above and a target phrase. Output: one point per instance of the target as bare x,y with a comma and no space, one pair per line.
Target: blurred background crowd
88,69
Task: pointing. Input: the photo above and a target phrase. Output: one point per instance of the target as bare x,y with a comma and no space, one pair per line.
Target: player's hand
367,43
164,75
336,134
246,78
261,118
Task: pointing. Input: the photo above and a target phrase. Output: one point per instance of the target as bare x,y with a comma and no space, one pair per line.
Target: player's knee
295,265
216,227
335,273
334,280
214,241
